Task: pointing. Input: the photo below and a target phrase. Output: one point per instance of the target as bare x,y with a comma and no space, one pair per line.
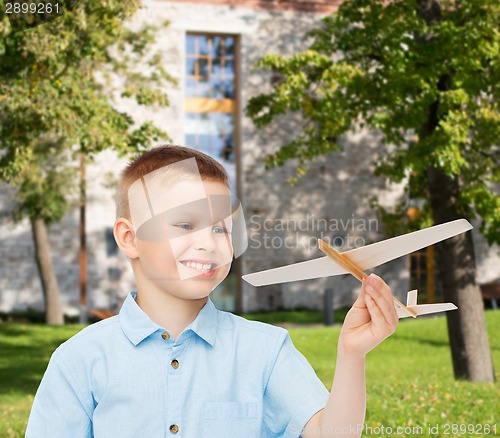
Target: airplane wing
424,309
317,268
366,257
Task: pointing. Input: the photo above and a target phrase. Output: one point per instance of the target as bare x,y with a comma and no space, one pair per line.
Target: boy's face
186,250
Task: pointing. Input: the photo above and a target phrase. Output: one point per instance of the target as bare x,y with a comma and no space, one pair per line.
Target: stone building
211,48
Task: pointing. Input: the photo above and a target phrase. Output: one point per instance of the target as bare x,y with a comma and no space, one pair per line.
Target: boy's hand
371,319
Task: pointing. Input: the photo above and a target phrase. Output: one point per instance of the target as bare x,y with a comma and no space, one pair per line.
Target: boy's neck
169,311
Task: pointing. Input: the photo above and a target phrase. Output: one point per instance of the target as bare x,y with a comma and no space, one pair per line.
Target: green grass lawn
409,377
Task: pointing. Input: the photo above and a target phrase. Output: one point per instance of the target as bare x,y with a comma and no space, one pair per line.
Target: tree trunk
470,349
457,266
84,318
53,310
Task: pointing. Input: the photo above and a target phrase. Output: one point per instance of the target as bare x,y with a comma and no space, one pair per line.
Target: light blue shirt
223,377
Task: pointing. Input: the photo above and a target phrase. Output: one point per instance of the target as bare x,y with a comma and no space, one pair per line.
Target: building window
210,68
211,118
424,276
210,102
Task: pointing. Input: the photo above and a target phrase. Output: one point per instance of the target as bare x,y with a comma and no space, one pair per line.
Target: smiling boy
171,364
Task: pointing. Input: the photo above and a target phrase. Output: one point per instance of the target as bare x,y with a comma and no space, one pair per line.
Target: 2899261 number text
32,8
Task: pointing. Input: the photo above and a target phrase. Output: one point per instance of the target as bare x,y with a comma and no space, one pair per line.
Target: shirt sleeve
61,408
293,393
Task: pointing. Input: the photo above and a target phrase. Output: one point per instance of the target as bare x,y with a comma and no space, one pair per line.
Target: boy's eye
185,226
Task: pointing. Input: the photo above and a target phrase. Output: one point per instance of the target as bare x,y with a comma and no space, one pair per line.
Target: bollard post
328,306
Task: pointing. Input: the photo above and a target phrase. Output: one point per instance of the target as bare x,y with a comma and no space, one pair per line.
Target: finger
360,301
385,290
382,286
381,329
387,308
379,324
377,290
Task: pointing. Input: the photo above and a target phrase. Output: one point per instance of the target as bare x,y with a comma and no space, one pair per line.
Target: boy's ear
125,237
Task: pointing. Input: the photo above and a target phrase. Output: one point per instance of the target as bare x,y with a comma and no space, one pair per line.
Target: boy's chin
194,294
191,289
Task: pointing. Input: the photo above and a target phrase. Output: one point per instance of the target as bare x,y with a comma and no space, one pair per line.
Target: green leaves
398,69
58,88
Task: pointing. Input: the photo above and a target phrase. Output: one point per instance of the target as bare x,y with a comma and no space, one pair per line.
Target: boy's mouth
204,268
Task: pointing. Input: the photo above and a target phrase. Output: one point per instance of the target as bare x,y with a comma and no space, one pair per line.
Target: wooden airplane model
421,309
357,260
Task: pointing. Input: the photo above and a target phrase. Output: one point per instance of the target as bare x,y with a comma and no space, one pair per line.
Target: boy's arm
60,408
372,318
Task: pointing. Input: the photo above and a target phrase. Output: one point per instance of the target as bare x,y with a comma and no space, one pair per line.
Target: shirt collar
206,323
137,326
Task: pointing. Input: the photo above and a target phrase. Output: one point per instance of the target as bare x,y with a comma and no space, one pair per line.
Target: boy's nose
205,240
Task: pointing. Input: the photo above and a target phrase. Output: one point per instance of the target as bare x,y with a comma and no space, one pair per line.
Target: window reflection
210,70
211,133
190,45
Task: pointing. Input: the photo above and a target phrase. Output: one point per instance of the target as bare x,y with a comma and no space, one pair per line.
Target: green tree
57,87
425,68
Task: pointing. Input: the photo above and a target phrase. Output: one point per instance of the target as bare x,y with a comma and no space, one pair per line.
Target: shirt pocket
231,419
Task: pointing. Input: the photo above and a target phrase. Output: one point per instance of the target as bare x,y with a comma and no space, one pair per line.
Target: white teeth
199,266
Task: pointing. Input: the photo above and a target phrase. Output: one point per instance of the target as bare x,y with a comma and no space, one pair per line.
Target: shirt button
175,364
165,336
174,428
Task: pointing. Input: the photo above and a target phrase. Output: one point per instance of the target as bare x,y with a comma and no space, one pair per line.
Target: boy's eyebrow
212,210
180,213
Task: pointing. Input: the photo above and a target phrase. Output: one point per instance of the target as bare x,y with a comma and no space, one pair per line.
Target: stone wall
109,275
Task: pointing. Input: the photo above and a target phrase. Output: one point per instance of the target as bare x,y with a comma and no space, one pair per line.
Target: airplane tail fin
422,309
411,298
